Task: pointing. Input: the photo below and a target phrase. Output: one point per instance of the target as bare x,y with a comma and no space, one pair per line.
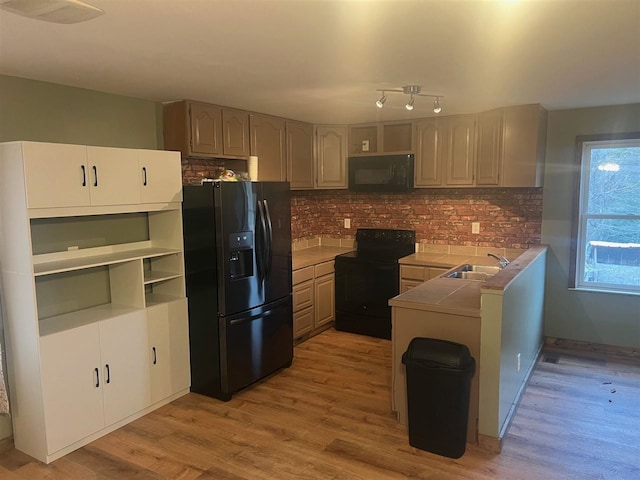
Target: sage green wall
47,112
605,318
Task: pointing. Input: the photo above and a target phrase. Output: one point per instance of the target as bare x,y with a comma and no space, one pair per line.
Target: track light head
380,102
436,106
409,106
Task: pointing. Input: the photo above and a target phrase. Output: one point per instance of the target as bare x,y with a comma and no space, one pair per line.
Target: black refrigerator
237,238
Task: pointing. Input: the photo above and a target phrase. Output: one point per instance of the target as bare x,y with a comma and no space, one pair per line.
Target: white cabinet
61,175
90,291
71,371
168,348
161,177
93,375
113,176
57,175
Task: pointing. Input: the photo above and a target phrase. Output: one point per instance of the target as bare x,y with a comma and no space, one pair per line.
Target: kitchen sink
473,272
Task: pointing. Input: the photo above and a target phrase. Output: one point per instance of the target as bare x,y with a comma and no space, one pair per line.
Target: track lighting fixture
414,91
436,106
409,105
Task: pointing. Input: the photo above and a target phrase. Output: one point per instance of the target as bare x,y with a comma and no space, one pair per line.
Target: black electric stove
367,278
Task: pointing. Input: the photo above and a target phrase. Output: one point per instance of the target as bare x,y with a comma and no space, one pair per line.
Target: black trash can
438,388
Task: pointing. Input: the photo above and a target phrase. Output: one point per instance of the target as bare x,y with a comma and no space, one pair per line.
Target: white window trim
578,255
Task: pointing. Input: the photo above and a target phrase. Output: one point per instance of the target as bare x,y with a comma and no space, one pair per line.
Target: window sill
603,290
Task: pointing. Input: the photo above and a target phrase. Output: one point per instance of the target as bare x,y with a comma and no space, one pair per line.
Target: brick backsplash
509,217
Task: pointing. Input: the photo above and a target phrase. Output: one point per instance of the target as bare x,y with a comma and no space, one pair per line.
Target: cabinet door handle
84,176
155,356
95,176
108,373
144,176
97,377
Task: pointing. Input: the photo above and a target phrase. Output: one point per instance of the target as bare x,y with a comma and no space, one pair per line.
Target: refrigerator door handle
269,237
239,321
261,251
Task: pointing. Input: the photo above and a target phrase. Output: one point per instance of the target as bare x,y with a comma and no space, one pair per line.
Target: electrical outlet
365,145
475,227
347,223
518,363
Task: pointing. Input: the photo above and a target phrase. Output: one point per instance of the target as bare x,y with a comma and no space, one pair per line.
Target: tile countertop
455,295
314,255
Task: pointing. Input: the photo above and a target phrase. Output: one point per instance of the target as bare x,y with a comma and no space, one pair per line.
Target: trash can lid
436,353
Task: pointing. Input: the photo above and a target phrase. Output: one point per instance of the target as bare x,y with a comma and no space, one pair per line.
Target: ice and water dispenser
241,255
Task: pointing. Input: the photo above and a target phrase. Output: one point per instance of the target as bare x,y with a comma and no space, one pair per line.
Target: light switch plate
475,227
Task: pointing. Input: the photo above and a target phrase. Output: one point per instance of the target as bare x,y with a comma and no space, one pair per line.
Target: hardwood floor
328,417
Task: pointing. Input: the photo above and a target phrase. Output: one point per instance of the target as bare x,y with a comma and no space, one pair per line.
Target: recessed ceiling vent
57,11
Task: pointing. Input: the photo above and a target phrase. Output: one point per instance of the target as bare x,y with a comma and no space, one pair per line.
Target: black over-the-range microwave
381,173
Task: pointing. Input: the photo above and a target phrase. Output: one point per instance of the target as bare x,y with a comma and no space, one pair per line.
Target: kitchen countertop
314,255
454,295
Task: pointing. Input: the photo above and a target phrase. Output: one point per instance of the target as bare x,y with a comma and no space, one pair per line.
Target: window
606,225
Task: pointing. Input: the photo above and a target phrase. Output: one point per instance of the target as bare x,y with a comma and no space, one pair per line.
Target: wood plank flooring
328,417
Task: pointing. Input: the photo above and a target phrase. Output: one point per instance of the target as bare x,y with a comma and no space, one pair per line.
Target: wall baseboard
593,350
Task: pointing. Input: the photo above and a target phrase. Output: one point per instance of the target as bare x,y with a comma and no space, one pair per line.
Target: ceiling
322,61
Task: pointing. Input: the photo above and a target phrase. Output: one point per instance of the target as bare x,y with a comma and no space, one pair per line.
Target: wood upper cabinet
387,137
445,151
198,129
428,161
268,144
458,149
489,153
524,146
511,146
299,154
235,132
331,156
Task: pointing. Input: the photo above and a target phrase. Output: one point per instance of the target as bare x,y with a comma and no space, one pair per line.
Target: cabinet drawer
303,295
436,272
302,275
303,321
413,272
408,285
324,268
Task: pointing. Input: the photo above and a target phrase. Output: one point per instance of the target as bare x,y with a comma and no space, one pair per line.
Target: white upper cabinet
56,175
113,176
60,175
161,175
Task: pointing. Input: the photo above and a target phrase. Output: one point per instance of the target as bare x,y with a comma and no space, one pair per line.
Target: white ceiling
321,60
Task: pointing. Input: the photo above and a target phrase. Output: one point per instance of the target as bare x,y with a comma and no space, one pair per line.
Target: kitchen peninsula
500,320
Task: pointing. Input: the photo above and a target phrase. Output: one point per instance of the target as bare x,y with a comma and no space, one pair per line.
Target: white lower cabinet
92,376
168,348
73,399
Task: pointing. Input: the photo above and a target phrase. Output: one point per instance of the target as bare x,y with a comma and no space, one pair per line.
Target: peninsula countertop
455,295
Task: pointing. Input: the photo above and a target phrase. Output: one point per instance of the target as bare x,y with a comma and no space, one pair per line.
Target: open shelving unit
93,289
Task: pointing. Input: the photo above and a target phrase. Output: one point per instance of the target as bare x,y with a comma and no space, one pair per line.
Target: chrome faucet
500,258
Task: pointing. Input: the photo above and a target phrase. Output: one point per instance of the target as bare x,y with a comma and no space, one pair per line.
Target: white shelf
152,299
78,318
151,276
79,263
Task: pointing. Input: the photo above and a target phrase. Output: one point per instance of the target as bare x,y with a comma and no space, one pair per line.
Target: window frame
580,219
